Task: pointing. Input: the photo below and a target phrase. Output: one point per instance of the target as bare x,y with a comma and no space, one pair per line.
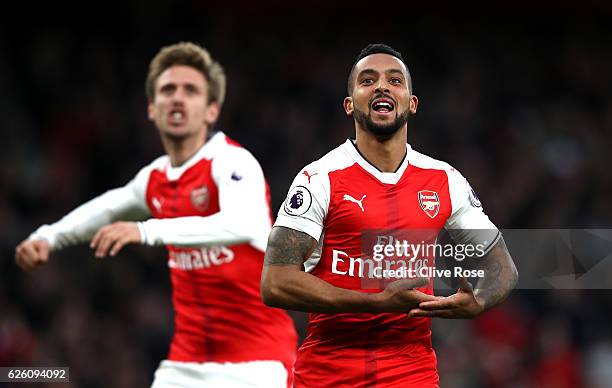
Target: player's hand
400,296
111,238
31,254
462,304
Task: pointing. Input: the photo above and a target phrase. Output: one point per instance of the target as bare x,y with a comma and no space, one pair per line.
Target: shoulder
232,161
426,162
313,180
336,159
159,164
227,150
142,178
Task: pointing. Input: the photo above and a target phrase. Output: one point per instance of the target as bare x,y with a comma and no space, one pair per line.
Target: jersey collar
205,152
385,177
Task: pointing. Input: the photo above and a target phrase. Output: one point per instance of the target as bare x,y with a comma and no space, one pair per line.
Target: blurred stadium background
517,97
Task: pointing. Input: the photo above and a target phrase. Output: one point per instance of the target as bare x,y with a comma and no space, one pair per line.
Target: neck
182,149
386,154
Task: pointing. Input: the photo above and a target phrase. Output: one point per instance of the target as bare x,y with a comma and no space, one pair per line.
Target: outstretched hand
112,238
462,304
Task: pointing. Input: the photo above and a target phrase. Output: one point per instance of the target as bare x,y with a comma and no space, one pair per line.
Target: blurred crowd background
517,97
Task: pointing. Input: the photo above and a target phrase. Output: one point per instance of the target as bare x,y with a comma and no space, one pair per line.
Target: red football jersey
347,204
219,315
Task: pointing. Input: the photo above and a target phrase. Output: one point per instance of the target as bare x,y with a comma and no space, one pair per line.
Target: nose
179,95
382,86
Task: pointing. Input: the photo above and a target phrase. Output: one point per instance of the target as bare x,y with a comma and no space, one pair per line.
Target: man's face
381,101
180,106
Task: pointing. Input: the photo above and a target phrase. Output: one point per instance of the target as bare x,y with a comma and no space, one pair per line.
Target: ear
212,112
151,111
414,103
347,104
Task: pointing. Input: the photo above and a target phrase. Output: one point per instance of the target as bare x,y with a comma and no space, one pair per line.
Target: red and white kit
337,200
213,215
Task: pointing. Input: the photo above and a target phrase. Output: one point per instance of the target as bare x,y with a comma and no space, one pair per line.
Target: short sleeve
307,203
468,223
241,182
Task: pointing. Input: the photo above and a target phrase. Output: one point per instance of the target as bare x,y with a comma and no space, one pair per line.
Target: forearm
217,229
287,287
500,276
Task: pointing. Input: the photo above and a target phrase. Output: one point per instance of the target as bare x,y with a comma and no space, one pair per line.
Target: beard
383,130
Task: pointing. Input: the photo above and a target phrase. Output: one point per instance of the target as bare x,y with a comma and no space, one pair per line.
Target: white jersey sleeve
244,214
80,225
468,223
307,202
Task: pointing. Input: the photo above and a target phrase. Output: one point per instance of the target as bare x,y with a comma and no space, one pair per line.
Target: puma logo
358,202
308,175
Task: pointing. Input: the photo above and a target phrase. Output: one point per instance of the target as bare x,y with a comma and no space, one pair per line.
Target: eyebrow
173,84
372,71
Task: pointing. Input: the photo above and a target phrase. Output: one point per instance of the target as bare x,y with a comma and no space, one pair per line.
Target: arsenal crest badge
200,198
430,202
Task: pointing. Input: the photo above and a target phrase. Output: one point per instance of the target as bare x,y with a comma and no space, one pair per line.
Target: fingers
110,239
104,244
460,299
27,249
429,298
31,253
23,257
446,313
104,239
96,238
439,304
43,250
117,245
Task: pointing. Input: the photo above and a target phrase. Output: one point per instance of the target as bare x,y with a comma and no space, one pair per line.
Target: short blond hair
192,55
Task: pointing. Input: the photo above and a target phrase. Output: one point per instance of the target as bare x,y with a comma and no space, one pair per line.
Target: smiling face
180,107
381,99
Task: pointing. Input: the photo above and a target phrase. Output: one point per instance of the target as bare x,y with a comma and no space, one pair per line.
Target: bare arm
285,285
500,277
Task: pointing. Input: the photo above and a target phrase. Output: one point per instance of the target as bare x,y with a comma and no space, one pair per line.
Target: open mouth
383,105
176,116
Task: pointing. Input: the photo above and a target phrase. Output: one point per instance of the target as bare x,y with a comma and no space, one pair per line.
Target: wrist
375,302
44,233
481,302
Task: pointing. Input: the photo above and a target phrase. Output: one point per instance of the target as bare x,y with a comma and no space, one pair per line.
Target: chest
194,193
359,202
